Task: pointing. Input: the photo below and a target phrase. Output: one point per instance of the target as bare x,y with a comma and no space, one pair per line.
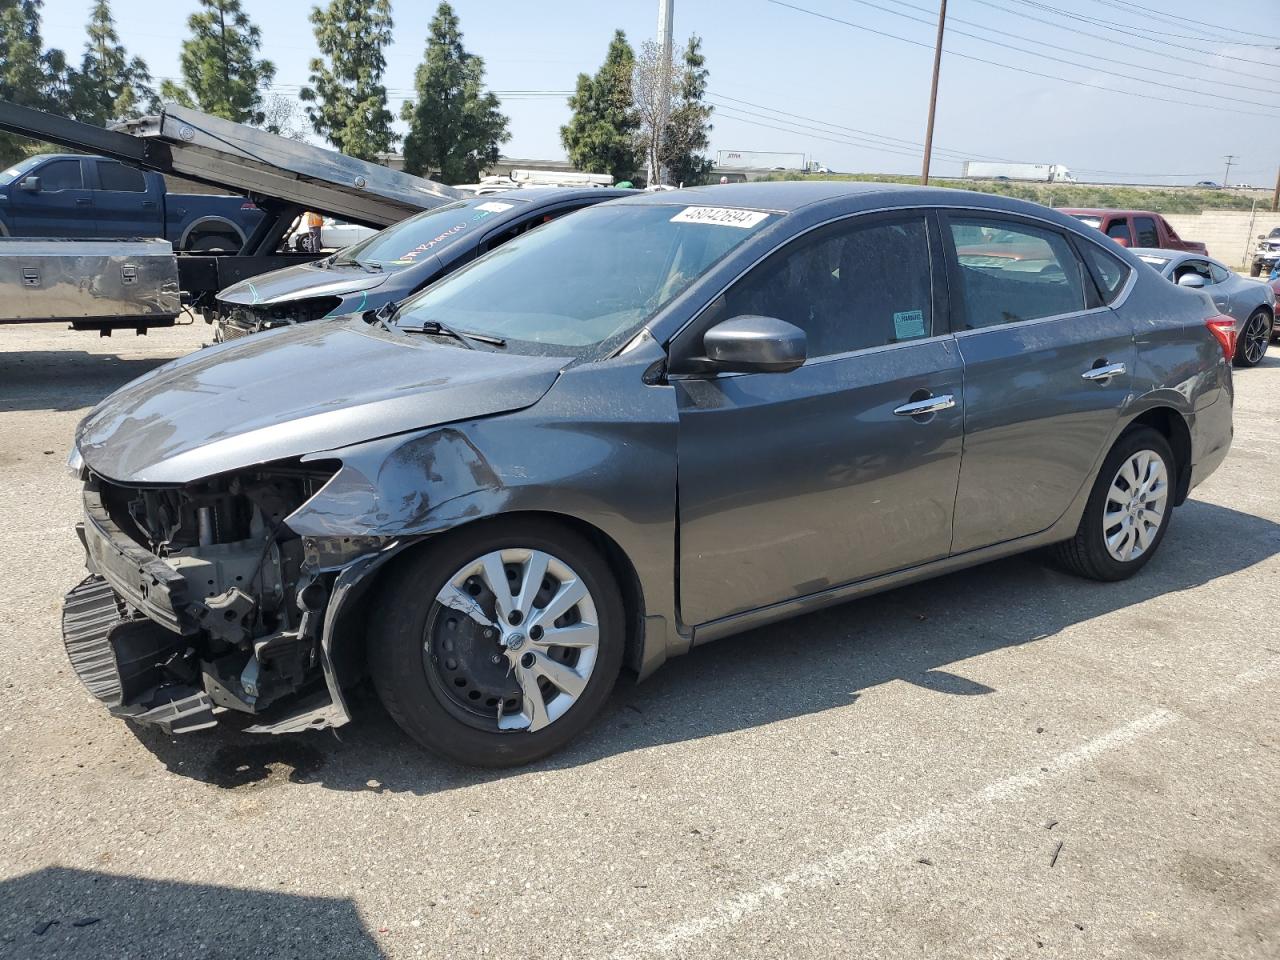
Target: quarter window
849,287
1110,272
1011,272
1218,273
1148,236
60,175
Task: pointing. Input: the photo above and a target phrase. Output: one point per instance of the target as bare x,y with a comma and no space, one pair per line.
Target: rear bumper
1211,436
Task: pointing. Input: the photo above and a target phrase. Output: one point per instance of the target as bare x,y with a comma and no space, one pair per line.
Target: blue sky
852,97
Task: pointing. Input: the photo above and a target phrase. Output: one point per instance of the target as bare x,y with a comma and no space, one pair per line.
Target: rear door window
118,177
1010,272
1148,235
1199,267
850,286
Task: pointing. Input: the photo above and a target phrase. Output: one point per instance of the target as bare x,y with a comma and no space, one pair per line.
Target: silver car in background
1250,303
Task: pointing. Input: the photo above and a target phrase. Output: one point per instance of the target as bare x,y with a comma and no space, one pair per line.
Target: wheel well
1171,424
624,572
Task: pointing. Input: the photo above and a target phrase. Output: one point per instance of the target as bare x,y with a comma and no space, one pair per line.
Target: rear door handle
1104,373
84,201
926,406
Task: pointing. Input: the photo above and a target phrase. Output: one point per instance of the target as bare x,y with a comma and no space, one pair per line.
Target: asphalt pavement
1006,762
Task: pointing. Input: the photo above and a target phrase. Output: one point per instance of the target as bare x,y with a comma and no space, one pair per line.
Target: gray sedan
1250,303
647,425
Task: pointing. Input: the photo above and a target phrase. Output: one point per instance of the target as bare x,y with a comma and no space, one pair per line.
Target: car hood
297,390
299,282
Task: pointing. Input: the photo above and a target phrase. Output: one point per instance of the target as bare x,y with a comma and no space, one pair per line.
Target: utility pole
1226,177
1275,197
933,94
665,15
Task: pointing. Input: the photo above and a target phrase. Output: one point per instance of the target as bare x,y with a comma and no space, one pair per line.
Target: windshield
417,238
18,169
580,285
1095,222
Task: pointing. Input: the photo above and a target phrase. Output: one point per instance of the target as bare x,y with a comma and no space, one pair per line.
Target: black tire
398,631
1255,336
213,243
1255,269
1086,554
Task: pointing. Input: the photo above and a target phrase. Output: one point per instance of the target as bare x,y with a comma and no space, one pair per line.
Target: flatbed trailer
283,177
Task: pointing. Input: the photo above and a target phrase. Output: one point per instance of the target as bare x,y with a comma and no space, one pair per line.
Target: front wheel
1254,339
1128,512
498,645
1255,269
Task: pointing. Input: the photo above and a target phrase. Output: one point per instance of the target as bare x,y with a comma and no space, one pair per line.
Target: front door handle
84,201
1104,373
919,408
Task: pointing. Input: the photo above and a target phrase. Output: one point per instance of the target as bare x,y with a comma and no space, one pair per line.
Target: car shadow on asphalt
63,913
914,634
67,379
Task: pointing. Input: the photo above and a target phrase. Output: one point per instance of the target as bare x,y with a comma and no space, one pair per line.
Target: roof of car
1172,254
551,194
781,195
1104,211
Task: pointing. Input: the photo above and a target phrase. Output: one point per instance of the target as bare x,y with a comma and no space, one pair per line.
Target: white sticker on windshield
722,216
494,206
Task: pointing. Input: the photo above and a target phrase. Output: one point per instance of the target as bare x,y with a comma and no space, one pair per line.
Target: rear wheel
498,645
1254,339
1128,512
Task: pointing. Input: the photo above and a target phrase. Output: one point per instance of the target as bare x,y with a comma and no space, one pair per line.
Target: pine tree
600,136
688,129
109,85
218,66
30,75
347,103
455,126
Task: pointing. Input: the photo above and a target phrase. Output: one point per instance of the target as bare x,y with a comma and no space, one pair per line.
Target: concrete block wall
1229,234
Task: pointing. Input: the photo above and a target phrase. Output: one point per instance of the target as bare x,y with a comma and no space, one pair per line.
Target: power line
1008,66
1046,56
1165,54
894,141
1054,46
1131,8
914,147
1119,28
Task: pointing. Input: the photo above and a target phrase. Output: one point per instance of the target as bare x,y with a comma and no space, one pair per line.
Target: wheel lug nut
496,658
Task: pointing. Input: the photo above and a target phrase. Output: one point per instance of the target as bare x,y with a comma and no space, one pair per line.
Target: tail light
1224,331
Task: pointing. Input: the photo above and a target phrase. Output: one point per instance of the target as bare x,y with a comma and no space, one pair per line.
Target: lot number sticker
721,216
494,206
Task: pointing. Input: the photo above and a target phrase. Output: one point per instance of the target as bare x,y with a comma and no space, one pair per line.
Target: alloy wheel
1256,337
1136,505
512,640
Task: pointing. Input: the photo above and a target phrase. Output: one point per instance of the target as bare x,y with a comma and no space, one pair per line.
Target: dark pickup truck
69,195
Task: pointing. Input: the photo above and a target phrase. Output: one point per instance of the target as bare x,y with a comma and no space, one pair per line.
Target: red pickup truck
1136,228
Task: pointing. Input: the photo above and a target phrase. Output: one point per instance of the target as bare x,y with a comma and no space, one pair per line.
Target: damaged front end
201,599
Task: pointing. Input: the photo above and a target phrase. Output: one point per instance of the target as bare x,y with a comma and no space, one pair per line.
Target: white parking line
676,939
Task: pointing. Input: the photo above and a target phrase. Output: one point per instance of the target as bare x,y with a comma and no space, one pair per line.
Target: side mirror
1262,236
749,344
30,184
1193,280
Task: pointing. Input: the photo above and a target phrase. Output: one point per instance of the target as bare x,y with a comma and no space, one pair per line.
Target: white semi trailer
1043,172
